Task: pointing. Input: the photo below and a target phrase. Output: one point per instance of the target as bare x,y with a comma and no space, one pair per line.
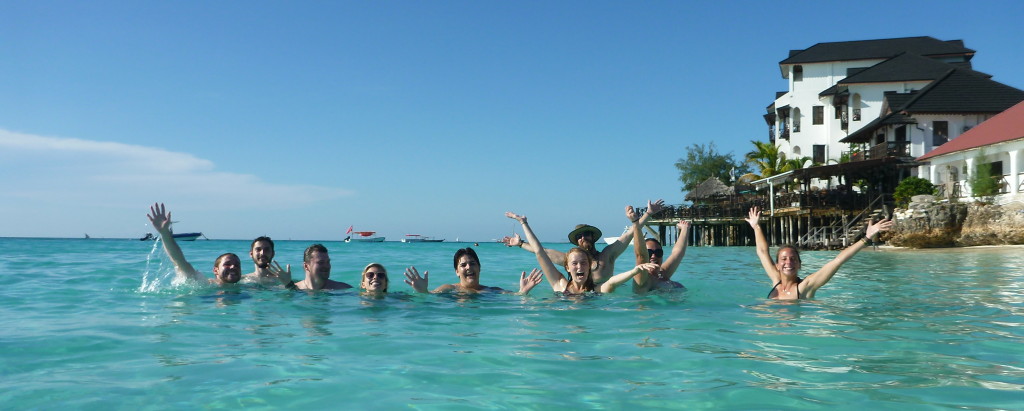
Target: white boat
364,237
416,238
610,240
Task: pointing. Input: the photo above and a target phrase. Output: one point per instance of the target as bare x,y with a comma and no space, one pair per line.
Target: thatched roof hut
711,188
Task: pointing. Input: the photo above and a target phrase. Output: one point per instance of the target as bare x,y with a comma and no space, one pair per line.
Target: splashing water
154,279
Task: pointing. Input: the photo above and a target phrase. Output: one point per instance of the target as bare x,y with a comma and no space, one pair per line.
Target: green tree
704,161
982,183
912,186
767,158
794,164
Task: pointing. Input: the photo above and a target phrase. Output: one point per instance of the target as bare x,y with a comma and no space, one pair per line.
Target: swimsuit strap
776,286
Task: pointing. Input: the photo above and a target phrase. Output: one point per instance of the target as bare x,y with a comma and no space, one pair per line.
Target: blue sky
299,119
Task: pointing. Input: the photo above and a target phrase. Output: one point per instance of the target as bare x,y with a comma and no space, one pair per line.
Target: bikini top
774,293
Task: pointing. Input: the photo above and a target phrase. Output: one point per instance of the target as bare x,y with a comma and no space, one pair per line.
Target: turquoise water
894,329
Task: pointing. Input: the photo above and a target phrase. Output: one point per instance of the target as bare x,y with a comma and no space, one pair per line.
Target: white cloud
45,173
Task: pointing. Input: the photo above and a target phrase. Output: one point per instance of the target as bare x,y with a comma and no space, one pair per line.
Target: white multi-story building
835,89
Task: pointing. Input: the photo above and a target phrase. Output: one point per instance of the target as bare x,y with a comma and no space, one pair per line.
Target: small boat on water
416,238
187,236
179,237
364,237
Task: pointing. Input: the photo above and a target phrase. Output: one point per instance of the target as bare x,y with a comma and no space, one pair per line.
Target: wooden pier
808,221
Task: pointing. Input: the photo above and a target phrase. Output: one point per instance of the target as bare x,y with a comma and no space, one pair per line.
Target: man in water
227,269
262,252
317,264
585,236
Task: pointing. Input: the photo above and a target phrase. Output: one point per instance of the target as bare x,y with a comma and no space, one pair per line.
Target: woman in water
374,282
578,265
467,268
650,251
783,274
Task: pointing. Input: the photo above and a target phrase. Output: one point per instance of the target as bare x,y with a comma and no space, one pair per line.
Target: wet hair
651,239
789,246
223,256
464,252
262,238
315,248
387,281
588,285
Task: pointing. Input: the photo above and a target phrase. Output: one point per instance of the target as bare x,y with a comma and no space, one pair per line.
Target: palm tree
793,163
767,158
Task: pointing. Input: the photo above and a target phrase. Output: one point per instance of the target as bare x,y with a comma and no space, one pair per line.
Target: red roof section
1005,126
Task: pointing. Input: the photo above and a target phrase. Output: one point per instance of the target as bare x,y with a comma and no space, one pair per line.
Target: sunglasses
586,234
371,275
657,253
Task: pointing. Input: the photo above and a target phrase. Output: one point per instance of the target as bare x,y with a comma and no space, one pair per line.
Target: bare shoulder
446,288
336,285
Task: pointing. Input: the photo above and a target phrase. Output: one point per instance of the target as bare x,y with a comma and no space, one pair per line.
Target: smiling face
468,270
319,265
375,278
788,261
262,253
228,269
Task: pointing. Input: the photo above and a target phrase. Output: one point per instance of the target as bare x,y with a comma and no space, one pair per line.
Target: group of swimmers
586,269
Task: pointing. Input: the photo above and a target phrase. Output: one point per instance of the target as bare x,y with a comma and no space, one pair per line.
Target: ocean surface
97,324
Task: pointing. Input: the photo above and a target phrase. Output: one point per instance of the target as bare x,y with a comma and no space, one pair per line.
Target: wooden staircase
843,231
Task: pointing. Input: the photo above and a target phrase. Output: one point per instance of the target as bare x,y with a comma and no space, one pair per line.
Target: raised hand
514,241
884,225
631,213
283,275
754,216
526,283
412,277
655,207
517,217
683,226
647,267
159,217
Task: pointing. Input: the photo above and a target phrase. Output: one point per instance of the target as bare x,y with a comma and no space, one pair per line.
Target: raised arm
555,277
619,279
161,220
754,219
639,248
822,276
615,249
557,257
669,265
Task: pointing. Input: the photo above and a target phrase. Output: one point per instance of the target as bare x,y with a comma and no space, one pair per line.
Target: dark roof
963,91
959,91
897,118
904,67
829,91
865,133
1005,126
712,187
897,99
877,49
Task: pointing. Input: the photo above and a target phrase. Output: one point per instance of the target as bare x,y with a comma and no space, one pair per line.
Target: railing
889,149
827,236
738,206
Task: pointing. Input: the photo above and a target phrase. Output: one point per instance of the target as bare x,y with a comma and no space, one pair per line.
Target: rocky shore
927,223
